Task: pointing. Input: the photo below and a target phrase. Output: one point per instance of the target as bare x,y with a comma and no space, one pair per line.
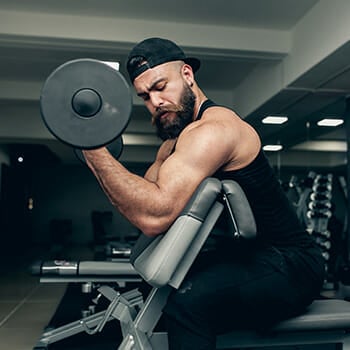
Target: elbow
155,226
151,233
157,221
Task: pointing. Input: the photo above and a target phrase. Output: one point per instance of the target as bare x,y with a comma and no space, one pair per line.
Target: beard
167,129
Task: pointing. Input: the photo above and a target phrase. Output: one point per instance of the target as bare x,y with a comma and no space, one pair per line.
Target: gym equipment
115,148
119,272
164,260
319,213
85,103
298,192
153,255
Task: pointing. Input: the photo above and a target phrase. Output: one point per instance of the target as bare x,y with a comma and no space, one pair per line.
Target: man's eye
160,87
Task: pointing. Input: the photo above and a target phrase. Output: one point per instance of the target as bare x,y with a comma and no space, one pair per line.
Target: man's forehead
152,75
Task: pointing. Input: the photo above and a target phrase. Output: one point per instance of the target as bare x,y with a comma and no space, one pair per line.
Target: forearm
141,201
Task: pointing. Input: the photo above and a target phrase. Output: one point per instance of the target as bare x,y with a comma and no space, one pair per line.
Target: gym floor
26,306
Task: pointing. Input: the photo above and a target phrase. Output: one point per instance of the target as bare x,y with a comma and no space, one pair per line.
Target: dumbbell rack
319,212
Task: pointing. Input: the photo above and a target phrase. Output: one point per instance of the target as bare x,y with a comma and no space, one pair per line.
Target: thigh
244,289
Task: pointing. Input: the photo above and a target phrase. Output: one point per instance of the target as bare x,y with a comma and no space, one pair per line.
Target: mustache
162,110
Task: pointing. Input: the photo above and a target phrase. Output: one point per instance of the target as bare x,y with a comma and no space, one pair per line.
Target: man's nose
156,100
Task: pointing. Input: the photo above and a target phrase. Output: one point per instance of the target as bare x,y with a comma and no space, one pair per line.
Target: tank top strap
205,105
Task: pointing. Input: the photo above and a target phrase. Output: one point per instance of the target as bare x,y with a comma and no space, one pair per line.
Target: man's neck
201,98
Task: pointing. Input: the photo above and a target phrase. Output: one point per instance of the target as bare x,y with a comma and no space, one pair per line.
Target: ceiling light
330,122
271,119
322,146
272,148
137,140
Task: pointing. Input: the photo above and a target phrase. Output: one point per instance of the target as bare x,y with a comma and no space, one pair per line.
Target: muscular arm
153,203
165,150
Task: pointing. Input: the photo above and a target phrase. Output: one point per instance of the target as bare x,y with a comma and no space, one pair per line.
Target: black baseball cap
157,51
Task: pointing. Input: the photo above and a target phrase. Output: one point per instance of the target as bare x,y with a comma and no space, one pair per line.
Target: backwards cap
156,51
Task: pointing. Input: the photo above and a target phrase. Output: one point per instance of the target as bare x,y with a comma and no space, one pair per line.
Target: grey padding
323,322
106,268
159,260
239,209
326,314
87,268
202,200
196,245
140,245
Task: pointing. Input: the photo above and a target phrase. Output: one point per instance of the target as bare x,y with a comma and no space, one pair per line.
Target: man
237,284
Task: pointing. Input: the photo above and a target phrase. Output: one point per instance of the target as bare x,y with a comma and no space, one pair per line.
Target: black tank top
278,227
276,219
205,105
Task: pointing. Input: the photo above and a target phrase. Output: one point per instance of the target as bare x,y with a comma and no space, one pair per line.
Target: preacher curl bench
163,262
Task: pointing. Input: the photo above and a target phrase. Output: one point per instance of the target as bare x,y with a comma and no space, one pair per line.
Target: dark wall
15,227
71,193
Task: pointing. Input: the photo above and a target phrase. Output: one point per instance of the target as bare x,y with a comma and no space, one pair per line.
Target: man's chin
168,134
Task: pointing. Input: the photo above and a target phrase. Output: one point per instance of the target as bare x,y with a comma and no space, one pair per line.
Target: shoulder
215,135
223,134
221,113
218,122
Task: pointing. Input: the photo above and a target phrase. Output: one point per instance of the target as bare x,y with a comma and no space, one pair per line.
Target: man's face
170,128
168,97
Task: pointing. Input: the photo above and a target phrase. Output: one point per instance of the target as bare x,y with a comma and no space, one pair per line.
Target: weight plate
86,103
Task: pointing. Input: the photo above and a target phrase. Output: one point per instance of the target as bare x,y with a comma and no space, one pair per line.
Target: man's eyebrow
143,93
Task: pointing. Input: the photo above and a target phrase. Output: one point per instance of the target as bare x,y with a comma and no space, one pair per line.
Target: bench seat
324,321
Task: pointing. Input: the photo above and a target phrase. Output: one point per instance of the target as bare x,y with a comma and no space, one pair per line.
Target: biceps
152,172
178,176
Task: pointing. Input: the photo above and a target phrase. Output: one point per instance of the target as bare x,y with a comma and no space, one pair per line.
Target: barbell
86,104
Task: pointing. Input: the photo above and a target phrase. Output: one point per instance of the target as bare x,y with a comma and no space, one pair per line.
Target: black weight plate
115,148
65,123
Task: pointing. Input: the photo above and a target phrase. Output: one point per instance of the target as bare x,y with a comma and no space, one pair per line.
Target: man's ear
187,74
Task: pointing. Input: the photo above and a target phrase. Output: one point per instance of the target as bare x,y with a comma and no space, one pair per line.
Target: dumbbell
115,148
316,205
86,104
324,196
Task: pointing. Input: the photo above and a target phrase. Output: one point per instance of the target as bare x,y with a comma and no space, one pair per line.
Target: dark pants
245,288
